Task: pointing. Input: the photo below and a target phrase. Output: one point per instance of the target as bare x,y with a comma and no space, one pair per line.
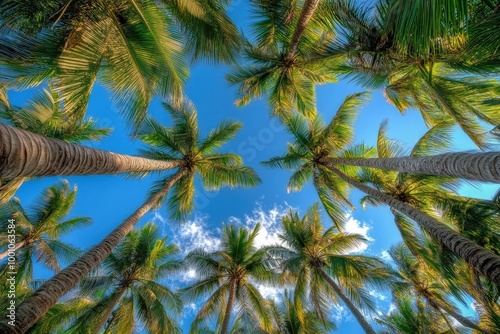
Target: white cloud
377,295
352,225
188,275
392,308
190,235
270,293
340,314
270,222
385,256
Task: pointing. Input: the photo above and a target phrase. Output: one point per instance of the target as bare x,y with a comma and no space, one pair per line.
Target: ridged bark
483,166
23,153
354,310
229,308
36,305
109,309
477,257
305,16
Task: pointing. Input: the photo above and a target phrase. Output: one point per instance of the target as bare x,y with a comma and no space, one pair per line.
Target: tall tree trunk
229,307
9,188
36,305
479,258
109,309
305,16
458,317
23,153
483,166
18,245
450,326
354,310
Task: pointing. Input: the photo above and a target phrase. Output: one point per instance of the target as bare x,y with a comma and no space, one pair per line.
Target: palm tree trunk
479,258
109,309
9,188
36,305
354,310
483,166
305,15
450,326
229,307
23,153
458,317
18,245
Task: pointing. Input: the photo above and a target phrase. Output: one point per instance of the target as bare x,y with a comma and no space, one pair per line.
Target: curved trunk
305,15
36,305
479,258
229,307
354,310
470,166
18,245
23,153
109,309
9,188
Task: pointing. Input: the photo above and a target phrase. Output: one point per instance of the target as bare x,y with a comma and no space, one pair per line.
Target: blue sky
110,199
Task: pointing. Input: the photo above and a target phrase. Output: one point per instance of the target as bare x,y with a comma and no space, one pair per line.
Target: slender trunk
458,317
9,188
18,245
479,258
229,307
354,310
23,153
483,166
305,15
36,305
452,329
109,309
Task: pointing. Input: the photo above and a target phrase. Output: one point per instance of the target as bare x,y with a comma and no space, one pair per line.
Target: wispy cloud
377,295
190,235
385,256
270,221
352,225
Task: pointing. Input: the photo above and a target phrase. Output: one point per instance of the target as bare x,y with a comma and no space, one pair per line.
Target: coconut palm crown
227,276
38,230
181,142
130,279
313,142
323,269
198,156
279,60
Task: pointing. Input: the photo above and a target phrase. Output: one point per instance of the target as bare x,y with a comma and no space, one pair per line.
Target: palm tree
412,51
45,116
477,219
410,316
227,275
281,62
37,238
421,191
323,268
38,231
130,279
315,150
287,321
48,156
181,143
419,279
313,142
136,48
